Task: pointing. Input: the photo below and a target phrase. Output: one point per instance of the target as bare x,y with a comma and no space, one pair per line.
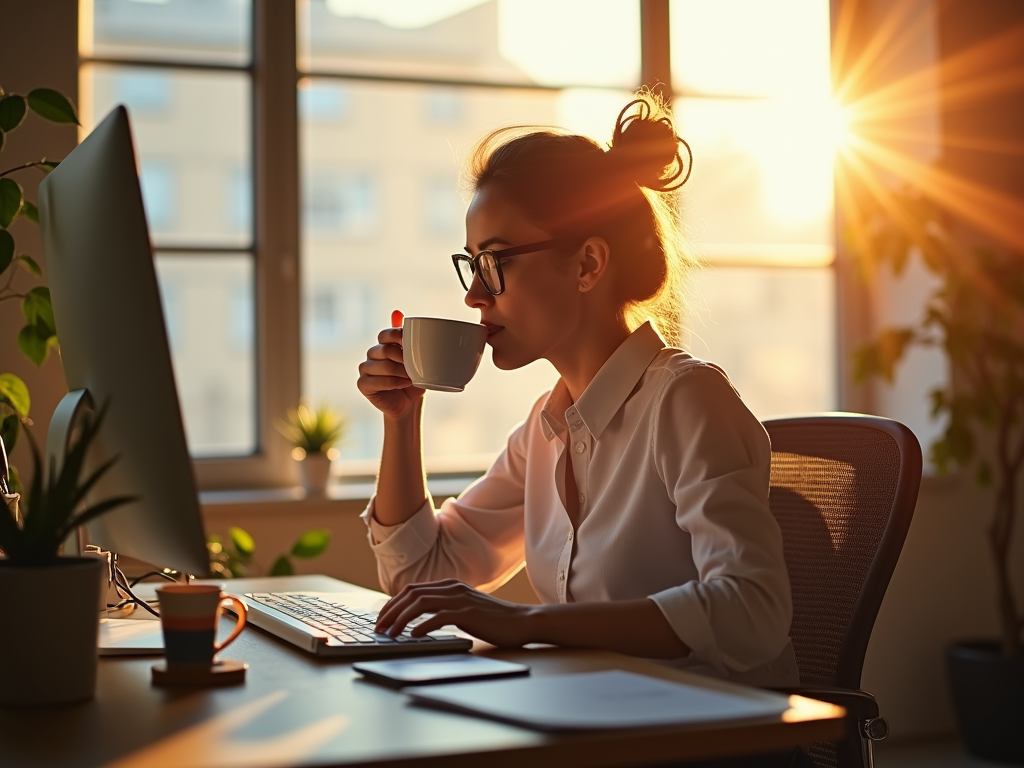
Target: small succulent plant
312,431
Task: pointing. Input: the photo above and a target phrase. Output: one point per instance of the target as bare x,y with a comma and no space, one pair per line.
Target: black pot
988,696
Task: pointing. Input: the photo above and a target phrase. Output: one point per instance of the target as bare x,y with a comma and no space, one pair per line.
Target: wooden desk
295,710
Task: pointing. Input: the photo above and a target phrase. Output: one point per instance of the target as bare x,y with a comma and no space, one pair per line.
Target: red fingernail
396,319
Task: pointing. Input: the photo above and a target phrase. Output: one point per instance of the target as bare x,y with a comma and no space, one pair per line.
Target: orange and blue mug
189,615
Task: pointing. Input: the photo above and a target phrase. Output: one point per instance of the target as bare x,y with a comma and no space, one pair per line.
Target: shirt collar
608,390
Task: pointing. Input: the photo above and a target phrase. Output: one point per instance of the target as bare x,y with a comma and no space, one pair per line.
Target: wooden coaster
226,672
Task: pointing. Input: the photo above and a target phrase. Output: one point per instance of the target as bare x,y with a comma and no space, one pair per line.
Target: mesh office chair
843,489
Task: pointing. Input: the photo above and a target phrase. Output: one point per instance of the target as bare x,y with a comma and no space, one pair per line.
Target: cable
161,574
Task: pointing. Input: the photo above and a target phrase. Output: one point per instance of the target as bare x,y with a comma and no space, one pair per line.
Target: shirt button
580,447
570,535
561,576
582,498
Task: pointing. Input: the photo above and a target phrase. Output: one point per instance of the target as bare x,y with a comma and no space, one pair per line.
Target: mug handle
240,611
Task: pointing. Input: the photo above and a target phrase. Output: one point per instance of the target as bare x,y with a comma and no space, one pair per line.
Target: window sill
344,494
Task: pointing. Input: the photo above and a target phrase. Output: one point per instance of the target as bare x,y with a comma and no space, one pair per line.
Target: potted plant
976,317
236,556
313,435
57,597
38,335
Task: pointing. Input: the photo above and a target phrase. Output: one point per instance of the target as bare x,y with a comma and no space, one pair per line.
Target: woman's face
539,308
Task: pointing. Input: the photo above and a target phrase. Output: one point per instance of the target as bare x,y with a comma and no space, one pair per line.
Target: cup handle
241,611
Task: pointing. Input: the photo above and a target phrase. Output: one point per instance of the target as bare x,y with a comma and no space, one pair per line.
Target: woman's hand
383,379
452,602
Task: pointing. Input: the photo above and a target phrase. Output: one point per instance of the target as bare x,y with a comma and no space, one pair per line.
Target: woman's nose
478,297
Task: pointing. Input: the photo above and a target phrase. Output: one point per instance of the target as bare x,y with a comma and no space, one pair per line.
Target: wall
943,587
38,48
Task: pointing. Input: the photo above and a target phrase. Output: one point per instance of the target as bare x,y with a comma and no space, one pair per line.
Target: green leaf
12,111
47,165
3,140
14,392
52,105
38,309
11,198
14,481
311,543
282,567
9,428
33,343
6,249
29,264
31,212
242,541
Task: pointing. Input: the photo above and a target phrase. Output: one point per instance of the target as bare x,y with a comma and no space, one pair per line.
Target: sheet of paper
130,637
599,700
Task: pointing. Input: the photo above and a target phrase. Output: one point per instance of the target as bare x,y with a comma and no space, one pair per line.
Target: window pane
517,41
761,189
192,137
773,331
208,309
382,212
216,31
751,47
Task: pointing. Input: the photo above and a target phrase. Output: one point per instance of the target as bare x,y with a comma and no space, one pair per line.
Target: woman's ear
594,258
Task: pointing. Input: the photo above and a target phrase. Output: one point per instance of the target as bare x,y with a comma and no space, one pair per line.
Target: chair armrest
860,705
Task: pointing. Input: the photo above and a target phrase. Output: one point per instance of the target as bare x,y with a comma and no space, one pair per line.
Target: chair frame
864,724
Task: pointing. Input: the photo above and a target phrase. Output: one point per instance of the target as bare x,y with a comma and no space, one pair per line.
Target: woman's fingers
420,606
382,368
411,593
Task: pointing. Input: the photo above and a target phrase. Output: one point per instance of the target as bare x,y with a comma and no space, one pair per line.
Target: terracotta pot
315,470
48,643
988,696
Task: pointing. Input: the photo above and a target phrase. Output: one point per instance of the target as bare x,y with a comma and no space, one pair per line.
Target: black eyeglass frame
504,253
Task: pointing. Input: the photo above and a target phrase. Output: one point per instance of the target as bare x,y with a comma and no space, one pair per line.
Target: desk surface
295,710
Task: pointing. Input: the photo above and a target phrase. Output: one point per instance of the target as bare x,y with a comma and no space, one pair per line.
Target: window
425,81
752,87
181,67
292,210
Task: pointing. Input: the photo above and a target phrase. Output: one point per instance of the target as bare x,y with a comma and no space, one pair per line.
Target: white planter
314,471
48,641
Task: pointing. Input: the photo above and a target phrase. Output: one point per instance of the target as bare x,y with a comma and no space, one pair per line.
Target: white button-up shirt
672,472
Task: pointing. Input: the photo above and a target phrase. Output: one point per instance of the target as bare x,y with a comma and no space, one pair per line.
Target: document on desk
599,700
130,637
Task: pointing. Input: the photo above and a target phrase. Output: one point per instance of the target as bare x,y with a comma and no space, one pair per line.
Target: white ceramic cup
442,354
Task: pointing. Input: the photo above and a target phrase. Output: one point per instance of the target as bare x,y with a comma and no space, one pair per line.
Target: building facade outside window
391,98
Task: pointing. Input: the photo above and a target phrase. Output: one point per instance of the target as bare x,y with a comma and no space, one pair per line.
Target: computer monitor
113,343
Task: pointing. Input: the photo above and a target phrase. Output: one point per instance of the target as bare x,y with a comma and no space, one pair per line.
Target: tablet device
424,670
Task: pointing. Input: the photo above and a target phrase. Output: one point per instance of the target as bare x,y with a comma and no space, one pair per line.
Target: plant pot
988,696
48,642
314,470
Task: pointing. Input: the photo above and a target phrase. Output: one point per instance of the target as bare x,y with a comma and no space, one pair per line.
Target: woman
636,491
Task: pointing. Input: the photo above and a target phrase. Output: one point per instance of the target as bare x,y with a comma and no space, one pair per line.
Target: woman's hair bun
645,148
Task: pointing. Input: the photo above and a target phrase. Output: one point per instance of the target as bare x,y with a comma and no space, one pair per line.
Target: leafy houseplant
39,333
976,317
56,662
313,435
235,557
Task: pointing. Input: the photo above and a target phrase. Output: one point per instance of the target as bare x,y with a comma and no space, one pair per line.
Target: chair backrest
843,489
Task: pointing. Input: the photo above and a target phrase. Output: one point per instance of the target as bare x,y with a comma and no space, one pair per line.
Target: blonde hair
627,194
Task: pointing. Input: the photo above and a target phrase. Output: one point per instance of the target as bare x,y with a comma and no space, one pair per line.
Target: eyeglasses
487,264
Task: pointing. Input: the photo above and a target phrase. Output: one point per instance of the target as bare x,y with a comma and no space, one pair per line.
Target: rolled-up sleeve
477,538
715,457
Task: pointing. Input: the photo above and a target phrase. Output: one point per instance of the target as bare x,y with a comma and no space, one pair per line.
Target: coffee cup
442,354
189,615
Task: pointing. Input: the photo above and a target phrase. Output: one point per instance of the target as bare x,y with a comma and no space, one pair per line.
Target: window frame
275,78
